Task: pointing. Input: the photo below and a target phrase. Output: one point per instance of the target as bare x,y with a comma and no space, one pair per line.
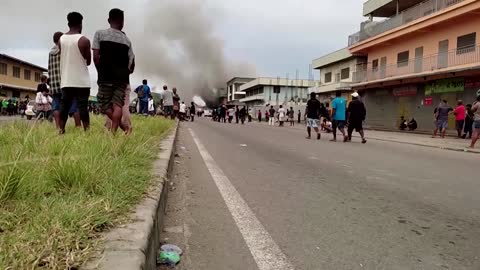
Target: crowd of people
467,120
65,91
318,115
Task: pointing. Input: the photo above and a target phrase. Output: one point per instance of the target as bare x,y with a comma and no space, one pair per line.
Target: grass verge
58,192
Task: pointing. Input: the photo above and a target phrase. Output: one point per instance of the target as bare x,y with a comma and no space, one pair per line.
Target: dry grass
57,193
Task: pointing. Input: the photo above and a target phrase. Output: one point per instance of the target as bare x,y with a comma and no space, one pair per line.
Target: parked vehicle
30,112
207,113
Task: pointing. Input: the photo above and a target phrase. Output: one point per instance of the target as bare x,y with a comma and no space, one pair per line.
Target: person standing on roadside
313,116
143,94
183,111
231,114
237,114
259,116
476,122
441,118
459,113
114,60
192,111
299,115
468,130
243,114
176,102
271,114
266,116
75,57
54,75
356,115
338,116
167,100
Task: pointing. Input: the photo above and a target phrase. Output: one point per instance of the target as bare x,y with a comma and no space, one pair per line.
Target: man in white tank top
74,61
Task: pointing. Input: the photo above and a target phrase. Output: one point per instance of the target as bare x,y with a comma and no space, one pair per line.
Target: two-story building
423,52
262,92
233,89
337,73
18,78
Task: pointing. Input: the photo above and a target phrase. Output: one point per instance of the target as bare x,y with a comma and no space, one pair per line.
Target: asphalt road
325,205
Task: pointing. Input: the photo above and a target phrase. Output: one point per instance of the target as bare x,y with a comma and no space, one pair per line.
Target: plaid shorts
110,94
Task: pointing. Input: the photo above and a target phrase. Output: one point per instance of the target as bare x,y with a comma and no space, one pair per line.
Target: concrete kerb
466,150
134,246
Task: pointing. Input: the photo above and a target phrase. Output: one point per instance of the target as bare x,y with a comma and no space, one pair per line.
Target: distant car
30,112
207,113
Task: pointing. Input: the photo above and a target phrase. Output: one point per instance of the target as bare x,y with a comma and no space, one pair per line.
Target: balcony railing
416,12
435,62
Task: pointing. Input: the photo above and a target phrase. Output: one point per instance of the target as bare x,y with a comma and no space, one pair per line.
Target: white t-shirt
282,113
183,108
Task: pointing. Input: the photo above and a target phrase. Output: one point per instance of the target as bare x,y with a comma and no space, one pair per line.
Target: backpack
140,91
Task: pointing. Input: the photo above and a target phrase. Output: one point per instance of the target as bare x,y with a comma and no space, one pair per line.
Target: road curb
466,150
134,245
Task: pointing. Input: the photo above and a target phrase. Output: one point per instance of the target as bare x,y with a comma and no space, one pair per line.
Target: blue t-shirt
146,90
340,105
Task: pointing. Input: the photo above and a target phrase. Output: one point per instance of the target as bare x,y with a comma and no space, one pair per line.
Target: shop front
386,106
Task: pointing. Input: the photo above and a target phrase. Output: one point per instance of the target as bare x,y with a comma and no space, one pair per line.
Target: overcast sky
276,37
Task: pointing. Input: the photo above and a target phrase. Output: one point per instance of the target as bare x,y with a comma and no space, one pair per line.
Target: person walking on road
338,116
476,122
259,116
299,116
75,57
237,115
271,115
356,114
441,118
243,114
291,117
231,114
282,115
467,131
313,116
459,113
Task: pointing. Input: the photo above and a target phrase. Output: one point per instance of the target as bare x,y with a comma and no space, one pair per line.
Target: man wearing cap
356,113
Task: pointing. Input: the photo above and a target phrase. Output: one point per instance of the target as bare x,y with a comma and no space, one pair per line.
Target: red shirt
459,113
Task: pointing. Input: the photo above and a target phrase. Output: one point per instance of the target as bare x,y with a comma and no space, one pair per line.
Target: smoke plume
178,45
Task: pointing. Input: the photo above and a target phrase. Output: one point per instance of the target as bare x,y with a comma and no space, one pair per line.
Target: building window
3,68
402,59
375,65
16,72
37,76
328,77
345,73
27,74
466,43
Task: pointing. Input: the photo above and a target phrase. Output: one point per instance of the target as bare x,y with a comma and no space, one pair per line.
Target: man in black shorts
114,60
356,113
313,115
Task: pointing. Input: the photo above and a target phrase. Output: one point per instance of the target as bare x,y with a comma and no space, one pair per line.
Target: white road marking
263,248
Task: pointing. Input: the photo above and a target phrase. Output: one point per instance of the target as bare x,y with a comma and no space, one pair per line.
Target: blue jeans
143,107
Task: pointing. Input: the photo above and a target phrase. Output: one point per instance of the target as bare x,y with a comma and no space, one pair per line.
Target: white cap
355,94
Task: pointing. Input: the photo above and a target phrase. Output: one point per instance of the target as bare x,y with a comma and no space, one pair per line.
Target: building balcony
253,98
371,29
331,87
451,61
